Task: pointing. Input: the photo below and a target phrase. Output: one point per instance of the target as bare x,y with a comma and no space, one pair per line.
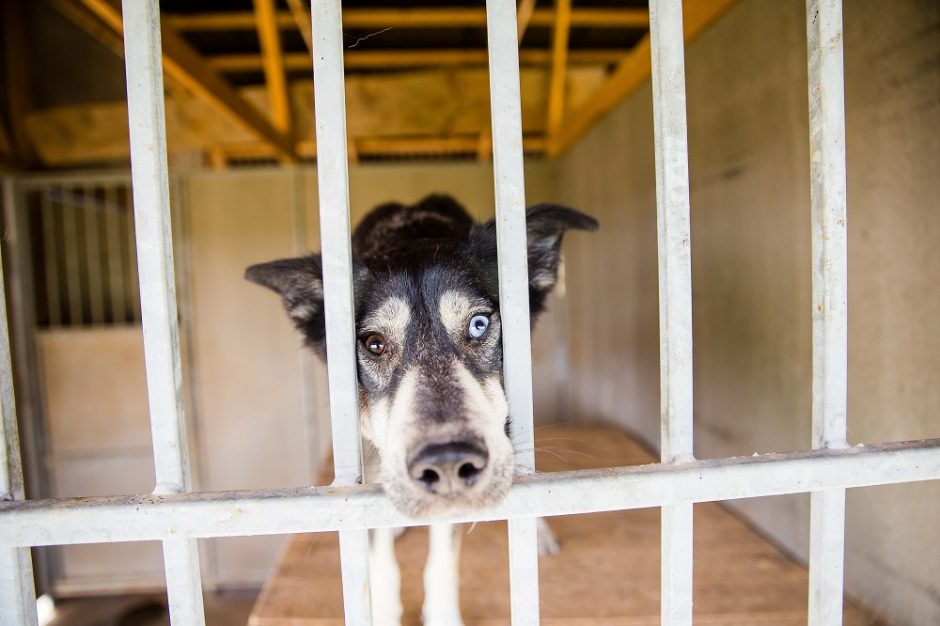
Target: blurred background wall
749,161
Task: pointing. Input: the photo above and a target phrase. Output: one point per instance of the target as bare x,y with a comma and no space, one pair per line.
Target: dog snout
448,469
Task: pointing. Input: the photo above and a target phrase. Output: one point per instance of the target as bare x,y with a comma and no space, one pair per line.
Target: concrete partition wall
749,154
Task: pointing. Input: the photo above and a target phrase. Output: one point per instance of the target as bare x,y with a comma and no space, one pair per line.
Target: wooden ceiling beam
384,147
412,18
390,59
184,65
632,71
273,62
556,85
301,15
523,17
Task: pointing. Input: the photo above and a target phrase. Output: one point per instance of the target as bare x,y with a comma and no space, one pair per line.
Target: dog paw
548,543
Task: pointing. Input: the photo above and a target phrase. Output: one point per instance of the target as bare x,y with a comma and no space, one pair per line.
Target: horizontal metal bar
318,509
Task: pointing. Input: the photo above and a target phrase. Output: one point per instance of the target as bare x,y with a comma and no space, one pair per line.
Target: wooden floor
606,574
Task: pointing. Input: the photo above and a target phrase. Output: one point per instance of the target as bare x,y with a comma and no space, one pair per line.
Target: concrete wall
751,269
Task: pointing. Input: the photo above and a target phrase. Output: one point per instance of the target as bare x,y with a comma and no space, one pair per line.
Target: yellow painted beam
301,16
632,71
273,62
184,65
391,59
556,85
523,17
413,18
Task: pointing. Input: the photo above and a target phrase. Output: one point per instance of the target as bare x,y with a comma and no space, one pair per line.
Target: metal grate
177,517
84,252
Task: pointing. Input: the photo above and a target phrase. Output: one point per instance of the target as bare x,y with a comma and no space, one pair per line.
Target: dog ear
545,228
546,225
299,281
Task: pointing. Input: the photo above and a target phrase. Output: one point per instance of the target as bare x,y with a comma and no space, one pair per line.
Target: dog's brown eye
375,344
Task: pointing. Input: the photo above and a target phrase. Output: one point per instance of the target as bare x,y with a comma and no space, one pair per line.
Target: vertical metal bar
675,295
113,234
91,220
509,183
333,176
147,124
73,283
50,253
830,285
17,594
131,242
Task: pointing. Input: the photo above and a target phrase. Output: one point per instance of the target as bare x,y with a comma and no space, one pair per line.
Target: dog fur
430,367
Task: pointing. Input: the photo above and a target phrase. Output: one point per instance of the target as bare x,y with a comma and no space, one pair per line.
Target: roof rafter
412,18
632,71
273,60
556,86
375,59
184,65
301,16
523,17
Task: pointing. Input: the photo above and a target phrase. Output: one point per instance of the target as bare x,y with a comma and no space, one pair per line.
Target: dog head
429,347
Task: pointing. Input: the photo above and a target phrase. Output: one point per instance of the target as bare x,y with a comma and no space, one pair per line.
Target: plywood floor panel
606,574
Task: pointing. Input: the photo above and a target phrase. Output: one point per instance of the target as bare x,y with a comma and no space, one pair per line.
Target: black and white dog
429,347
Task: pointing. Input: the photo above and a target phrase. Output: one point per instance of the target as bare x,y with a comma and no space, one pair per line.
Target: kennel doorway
674,485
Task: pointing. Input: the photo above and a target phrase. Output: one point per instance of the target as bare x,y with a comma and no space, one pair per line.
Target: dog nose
449,468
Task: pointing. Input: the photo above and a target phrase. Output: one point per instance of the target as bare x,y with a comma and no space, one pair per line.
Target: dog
430,368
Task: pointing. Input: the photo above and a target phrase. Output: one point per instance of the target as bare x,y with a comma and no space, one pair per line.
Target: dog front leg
441,577
384,578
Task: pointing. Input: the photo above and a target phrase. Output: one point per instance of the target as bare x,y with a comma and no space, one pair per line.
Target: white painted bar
113,232
147,124
830,312
17,594
91,216
318,509
335,248
50,259
675,295
509,183
73,287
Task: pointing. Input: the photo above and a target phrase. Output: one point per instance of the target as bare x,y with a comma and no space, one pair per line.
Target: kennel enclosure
178,518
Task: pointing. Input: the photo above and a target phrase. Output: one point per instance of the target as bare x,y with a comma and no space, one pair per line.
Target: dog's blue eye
478,325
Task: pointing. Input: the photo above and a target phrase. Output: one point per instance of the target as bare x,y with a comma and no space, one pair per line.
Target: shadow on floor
222,609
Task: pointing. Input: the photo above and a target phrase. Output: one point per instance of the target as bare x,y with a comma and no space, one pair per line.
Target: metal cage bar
675,295
17,594
147,123
333,177
509,184
830,286
178,518
319,509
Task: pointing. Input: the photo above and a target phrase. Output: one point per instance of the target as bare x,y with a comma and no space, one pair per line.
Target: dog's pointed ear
299,281
546,225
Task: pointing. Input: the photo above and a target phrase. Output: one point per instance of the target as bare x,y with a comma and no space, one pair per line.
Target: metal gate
177,517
